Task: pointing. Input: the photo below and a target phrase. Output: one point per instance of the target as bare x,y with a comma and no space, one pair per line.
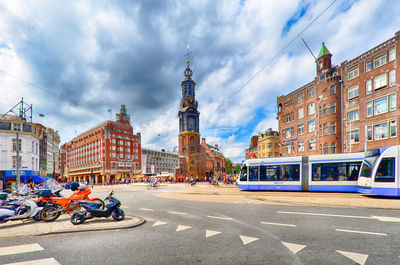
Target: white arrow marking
182,227
267,223
145,209
361,232
177,213
356,257
294,247
211,233
246,239
20,249
50,261
159,223
387,219
218,217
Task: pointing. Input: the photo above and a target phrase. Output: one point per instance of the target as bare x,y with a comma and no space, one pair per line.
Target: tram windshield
368,163
243,173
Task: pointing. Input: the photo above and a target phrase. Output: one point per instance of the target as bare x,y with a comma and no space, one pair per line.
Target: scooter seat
90,204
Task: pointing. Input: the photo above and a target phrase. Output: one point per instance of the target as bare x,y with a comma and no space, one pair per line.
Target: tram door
304,173
386,173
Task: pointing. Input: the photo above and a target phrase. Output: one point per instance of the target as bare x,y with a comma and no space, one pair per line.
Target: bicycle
153,185
212,183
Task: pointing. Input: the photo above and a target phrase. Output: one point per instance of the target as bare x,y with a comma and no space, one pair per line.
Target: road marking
294,247
159,223
50,261
145,209
218,217
387,219
331,215
125,207
356,257
20,249
267,223
210,233
182,227
247,239
361,232
180,213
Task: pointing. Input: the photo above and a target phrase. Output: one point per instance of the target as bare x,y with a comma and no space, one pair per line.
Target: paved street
195,232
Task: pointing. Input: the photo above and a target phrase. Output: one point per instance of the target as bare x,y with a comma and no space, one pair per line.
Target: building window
369,133
288,148
300,97
380,81
393,128
332,89
311,126
326,128
121,155
311,108
15,162
380,131
288,118
291,103
368,66
392,54
333,107
353,92
287,133
113,141
325,109
353,115
326,148
354,136
333,127
380,60
368,106
380,106
368,86
392,102
311,93
300,129
300,146
333,148
392,77
15,144
311,144
300,113
352,73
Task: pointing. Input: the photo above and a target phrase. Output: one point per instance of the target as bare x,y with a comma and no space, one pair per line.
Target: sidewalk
63,225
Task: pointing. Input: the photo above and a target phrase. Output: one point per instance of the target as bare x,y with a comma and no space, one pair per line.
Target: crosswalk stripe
387,218
20,249
293,247
145,209
159,223
247,239
177,213
182,227
361,232
210,233
50,261
356,257
218,217
268,223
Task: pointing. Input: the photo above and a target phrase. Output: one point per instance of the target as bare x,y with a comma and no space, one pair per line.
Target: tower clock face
190,101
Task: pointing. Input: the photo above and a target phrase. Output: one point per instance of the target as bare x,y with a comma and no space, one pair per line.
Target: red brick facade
359,95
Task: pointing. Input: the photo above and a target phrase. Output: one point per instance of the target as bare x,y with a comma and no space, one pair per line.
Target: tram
379,173
327,173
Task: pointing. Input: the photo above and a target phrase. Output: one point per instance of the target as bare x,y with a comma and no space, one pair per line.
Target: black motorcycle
91,210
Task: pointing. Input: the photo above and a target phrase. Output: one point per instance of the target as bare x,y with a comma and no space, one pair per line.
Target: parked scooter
91,210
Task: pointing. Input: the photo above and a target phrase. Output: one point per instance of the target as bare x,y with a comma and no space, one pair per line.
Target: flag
108,110
41,115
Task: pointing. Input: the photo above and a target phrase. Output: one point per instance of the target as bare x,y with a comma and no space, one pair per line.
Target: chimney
203,141
216,146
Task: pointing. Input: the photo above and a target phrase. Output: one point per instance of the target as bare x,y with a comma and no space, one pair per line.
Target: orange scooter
58,204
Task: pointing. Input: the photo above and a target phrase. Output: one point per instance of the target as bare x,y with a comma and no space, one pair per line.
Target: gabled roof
323,51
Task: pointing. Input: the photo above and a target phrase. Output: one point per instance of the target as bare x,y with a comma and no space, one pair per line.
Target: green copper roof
323,51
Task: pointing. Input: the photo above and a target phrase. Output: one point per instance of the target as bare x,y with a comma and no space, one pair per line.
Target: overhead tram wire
267,64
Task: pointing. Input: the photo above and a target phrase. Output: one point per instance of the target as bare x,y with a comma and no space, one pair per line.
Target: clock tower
189,136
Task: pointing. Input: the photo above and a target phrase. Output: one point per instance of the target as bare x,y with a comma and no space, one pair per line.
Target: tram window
253,173
290,172
243,174
336,171
269,173
263,173
385,172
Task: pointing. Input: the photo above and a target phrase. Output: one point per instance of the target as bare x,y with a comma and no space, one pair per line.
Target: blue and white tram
329,173
276,173
380,172
334,173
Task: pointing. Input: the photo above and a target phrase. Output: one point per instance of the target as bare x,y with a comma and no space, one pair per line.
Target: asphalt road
189,232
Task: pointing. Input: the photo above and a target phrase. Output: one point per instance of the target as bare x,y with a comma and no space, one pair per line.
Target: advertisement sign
152,169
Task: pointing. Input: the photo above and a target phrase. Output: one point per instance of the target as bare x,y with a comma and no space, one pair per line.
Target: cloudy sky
73,60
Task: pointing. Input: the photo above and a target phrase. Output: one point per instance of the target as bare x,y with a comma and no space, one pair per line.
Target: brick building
110,151
343,104
253,149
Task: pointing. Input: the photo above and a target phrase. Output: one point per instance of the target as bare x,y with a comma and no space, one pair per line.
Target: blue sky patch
295,18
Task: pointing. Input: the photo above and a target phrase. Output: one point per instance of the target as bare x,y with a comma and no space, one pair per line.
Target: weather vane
187,54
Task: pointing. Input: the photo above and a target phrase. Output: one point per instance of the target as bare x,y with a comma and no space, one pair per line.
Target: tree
228,166
236,168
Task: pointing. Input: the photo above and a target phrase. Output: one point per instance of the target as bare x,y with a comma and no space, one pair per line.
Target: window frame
312,122
353,73
352,91
380,59
390,59
308,108
375,106
371,107
298,113
392,77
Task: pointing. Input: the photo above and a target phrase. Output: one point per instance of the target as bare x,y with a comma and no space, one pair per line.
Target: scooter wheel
118,215
50,213
77,218
37,217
